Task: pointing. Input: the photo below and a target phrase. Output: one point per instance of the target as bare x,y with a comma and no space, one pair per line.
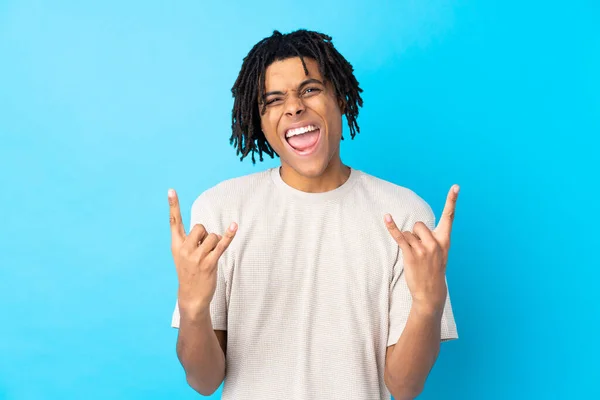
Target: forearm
414,354
201,355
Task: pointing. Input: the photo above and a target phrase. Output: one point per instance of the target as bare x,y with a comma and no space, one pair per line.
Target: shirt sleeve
400,297
203,213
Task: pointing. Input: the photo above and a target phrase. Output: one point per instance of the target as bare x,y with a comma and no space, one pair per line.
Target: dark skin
295,99
200,349
425,254
292,97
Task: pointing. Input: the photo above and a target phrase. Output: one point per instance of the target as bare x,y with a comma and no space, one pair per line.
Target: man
321,295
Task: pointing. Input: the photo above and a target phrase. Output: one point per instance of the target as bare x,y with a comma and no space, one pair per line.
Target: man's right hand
196,258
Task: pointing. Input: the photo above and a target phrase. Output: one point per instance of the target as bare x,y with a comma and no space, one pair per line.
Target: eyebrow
304,83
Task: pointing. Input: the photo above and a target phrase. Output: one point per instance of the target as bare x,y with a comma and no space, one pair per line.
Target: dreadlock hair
247,135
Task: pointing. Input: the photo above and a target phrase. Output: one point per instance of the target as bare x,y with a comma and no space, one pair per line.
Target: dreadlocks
247,135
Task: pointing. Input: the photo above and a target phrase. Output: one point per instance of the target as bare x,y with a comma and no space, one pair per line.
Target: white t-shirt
311,291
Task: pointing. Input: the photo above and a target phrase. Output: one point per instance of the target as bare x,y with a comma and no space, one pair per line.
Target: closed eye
271,101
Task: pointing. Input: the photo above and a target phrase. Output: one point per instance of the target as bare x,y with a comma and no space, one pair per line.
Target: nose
294,106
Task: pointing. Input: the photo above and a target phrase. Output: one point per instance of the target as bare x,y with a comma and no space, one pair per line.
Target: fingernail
388,218
232,226
171,193
456,188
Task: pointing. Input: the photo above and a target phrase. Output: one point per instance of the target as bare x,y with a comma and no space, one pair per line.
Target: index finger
177,228
447,219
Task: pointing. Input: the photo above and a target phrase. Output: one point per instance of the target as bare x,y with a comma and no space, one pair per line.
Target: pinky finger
397,234
224,241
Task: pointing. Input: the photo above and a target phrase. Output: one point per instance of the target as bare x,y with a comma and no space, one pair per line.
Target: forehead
290,73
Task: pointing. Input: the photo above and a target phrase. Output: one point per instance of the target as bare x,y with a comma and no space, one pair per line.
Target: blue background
105,106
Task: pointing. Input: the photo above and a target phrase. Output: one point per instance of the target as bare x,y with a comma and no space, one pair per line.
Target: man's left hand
425,253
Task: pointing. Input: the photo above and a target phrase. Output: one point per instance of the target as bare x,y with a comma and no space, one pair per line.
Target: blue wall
103,107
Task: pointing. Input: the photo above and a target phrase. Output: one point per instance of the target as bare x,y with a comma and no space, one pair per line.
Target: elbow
204,390
405,393
206,385
402,390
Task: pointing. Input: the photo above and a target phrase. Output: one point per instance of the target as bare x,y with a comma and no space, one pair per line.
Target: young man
321,295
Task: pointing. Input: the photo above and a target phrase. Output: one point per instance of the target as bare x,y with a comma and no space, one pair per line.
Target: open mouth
303,140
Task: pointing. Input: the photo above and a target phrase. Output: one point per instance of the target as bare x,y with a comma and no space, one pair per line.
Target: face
303,118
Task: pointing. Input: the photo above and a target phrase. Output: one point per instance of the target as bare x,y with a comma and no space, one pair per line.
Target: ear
342,105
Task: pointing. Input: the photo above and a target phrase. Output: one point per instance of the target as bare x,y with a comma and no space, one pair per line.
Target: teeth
300,131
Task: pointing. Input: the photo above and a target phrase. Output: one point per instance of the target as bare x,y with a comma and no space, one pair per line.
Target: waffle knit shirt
311,291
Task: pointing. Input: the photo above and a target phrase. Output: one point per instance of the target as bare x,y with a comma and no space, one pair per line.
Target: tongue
304,141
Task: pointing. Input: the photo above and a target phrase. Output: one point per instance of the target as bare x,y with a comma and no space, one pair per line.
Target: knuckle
421,226
172,220
208,264
183,252
213,236
198,227
196,255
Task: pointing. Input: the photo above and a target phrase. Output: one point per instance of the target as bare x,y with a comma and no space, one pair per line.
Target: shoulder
233,191
402,202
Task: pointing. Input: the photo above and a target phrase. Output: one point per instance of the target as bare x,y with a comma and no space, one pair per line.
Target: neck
333,177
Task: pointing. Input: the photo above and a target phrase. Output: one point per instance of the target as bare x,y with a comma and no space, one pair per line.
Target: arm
425,253
410,360
201,351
